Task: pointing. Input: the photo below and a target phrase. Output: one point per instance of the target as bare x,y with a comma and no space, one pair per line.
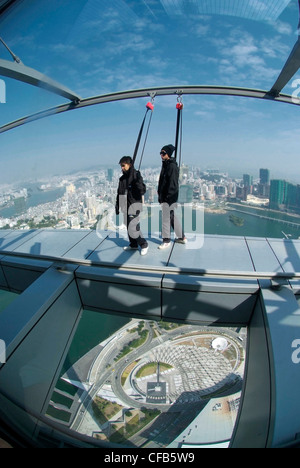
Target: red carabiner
179,105
150,106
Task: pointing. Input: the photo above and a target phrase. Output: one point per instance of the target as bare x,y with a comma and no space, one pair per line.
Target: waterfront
253,226
36,197
217,221
79,200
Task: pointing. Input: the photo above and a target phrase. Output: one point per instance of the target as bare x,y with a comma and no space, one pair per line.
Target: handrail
146,92
63,262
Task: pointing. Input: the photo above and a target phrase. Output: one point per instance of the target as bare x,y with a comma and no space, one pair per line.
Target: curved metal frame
146,92
19,71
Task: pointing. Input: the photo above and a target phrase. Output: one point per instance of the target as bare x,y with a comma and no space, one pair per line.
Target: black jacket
131,184
168,182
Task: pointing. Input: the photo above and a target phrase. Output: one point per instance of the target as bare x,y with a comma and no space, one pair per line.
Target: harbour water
215,222
253,226
35,197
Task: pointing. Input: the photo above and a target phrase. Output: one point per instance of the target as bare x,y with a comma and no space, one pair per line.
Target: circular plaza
188,368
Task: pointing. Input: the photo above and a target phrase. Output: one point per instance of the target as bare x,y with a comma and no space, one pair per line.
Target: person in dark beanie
129,201
168,189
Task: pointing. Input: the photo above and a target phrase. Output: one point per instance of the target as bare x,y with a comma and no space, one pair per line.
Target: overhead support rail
6,4
146,92
290,68
18,71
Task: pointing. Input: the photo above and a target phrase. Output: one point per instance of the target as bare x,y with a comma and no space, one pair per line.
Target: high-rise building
264,183
277,194
285,195
185,194
183,173
110,174
248,180
248,185
292,197
264,176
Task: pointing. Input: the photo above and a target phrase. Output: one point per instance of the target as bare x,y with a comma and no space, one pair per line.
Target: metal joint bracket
277,284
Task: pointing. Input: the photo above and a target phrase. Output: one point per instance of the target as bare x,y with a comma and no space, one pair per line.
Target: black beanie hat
169,149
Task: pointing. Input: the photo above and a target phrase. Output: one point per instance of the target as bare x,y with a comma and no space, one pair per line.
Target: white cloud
248,61
283,28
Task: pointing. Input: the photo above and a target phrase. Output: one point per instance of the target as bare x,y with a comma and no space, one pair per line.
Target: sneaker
129,247
144,251
181,240
164,245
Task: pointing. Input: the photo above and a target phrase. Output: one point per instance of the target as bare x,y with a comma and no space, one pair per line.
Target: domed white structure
219,344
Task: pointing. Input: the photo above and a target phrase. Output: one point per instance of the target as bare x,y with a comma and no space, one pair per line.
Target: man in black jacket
129,200
168,190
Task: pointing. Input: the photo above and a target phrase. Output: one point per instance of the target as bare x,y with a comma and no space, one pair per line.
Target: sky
96,47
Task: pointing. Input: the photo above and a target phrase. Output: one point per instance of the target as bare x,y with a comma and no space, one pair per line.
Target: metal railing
63,262
150,92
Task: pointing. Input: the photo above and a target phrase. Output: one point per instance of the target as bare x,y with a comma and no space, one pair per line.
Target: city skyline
86,199
236,174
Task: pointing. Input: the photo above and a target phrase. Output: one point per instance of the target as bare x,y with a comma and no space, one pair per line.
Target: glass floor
150,384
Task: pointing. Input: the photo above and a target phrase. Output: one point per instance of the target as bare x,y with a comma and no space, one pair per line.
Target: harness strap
299,19
179,107
149,106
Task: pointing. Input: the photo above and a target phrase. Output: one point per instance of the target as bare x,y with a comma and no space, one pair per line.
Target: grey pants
169,219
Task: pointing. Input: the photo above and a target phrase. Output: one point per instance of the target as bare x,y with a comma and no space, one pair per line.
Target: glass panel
151,384
96,47
145,383
77,191
6,298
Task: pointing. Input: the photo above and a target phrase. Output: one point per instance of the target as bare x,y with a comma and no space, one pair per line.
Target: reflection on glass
151,384
6,297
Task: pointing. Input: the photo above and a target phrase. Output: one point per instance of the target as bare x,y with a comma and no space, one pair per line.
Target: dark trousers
135,234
